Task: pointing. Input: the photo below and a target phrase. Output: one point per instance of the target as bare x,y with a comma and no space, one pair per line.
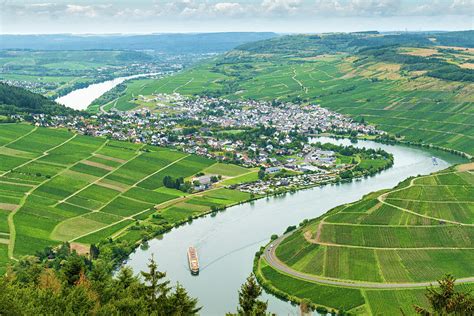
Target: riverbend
228,241
80,99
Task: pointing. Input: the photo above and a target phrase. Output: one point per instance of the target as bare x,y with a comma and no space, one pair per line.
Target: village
272,135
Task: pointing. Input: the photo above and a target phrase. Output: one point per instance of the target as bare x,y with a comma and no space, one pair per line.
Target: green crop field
224,169
58,186
407,103
413,233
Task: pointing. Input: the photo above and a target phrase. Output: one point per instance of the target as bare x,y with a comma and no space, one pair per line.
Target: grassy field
415,232
409,104
58,186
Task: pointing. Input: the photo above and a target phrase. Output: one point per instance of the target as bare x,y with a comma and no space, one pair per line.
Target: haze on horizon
182,16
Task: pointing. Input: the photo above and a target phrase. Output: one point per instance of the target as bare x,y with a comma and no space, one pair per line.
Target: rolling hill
415,86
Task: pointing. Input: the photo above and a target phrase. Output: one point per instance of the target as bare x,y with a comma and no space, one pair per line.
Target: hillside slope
382,251
14,100
58,186
410,85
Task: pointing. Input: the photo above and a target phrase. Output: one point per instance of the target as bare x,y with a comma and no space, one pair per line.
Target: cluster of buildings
283,116
248,133
223,130
283,184
40,86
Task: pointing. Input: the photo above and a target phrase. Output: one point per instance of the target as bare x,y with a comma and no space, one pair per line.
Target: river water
80,99
227,242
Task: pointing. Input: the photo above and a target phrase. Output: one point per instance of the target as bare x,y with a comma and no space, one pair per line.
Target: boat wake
232,252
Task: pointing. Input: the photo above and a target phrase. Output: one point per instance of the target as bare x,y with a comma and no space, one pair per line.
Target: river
80,99
227,242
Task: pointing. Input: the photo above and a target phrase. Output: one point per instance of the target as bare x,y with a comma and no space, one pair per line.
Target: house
272,170
309,168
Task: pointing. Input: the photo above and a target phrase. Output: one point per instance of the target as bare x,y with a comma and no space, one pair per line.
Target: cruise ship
193,261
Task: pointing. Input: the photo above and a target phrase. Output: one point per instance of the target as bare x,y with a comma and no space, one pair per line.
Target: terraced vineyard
58,186
380,252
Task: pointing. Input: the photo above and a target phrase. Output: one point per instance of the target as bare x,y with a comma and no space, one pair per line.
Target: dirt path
183,85
45,153
382,199
299,82
120,195
17,139
11,223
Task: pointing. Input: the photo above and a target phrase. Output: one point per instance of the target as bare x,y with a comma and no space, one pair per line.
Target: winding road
275,263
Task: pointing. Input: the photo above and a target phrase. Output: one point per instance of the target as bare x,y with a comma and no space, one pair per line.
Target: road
275,263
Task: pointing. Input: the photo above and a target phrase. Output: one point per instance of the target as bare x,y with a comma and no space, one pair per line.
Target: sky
194,16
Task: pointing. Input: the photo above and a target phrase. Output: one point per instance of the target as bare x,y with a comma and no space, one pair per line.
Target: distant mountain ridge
166,43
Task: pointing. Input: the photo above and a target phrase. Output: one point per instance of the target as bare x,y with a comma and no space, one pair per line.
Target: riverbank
232,238
213,211
392,140
80,99
285,260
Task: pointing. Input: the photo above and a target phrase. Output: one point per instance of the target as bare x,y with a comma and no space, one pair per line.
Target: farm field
57,186
382,246
407,104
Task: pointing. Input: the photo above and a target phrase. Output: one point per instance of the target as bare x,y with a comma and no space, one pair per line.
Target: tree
77,286
261,173
156,289
73,268
180,303
125,278
306,307
94,251
249,305
446,300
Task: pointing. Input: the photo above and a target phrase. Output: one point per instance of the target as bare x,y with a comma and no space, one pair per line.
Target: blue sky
284,16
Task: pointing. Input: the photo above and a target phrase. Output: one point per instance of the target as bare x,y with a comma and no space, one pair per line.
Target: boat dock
193,261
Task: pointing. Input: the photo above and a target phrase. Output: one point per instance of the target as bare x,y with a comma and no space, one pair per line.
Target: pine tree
156,289
180,303
73,268
125,278
446,300
248,298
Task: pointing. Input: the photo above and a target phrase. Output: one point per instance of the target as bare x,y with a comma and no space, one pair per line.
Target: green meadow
57,186
415,232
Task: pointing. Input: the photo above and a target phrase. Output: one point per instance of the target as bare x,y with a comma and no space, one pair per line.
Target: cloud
462,7
387,8
81,10
358,7
211,10
280,7
229,8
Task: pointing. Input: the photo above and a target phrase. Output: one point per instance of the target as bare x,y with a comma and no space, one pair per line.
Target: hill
15,100
57,186
377,255
163,43
410,85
